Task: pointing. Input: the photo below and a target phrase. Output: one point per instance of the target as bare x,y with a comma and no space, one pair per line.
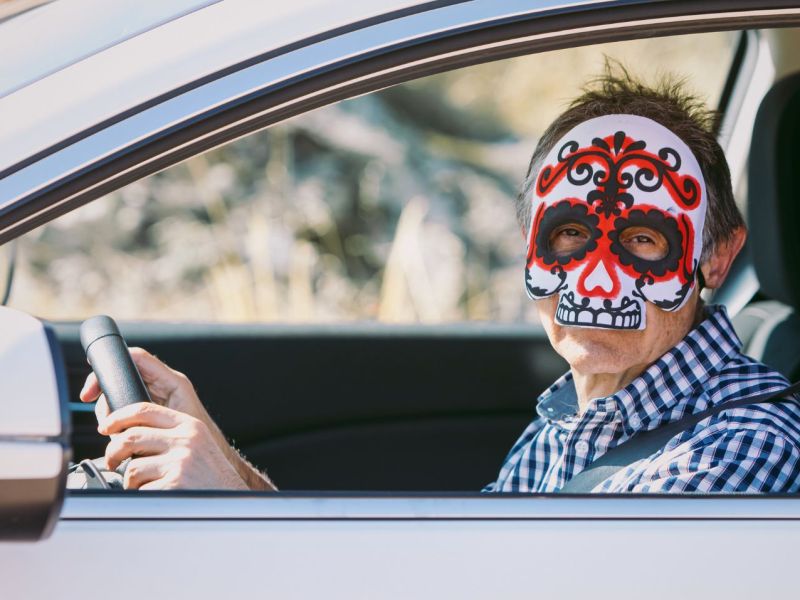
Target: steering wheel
121,384
108,355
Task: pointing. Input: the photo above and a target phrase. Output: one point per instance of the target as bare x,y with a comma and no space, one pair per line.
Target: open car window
396,206
345,289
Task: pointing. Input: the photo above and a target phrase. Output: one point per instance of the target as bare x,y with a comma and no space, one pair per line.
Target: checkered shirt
748,449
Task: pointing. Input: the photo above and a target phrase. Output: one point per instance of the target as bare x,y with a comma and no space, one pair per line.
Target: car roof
79,29
102,58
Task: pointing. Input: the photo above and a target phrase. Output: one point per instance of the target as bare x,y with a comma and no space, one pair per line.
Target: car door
380,544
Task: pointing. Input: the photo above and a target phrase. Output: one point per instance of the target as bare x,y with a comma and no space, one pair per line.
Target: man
629,212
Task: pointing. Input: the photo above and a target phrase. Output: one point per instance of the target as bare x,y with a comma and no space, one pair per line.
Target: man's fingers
91,389
141,471
158,484
136,441
162,379
147,414
101,409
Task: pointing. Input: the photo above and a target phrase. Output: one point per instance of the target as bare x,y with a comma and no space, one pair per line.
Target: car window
396,206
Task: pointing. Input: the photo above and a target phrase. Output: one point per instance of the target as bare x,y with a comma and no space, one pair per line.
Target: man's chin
591,350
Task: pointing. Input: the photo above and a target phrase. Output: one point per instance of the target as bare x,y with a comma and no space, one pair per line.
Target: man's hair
667,103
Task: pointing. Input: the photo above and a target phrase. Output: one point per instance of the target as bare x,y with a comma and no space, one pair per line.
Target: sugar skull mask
607,181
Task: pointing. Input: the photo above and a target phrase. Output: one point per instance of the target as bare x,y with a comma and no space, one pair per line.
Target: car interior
359,407
769,327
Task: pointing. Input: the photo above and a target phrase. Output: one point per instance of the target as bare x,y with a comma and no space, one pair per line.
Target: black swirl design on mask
668,305
539,292
580,166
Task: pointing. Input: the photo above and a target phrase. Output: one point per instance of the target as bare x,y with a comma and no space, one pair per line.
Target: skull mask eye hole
566,232
644,243
569,238
649,241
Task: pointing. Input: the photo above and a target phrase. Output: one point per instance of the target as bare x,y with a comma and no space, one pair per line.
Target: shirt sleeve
733,460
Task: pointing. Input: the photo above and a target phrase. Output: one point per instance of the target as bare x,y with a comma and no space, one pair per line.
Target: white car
399,426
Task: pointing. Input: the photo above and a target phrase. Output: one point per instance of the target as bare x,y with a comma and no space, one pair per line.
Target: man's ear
716,268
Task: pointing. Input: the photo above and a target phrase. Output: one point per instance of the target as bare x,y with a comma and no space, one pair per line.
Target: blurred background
397,206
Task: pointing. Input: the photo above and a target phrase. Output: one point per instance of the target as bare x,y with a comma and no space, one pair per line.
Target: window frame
149,144
284,83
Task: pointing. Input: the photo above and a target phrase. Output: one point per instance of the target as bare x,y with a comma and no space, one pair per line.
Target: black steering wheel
121,384
111,361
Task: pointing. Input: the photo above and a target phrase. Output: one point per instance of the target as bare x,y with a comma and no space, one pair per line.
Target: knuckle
132,476
111,453
127,441
183,383
143,412
191,431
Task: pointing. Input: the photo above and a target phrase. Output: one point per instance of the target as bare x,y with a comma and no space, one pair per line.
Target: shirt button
582,447
635,421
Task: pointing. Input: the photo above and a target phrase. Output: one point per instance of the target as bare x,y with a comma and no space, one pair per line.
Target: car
381,435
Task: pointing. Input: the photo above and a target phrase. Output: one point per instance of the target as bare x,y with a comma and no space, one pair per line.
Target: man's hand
170,450
173,441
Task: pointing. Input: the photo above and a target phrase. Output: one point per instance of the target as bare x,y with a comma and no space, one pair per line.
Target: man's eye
644,242
642,239
568,238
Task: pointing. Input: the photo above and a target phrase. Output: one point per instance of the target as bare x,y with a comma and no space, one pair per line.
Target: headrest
773,205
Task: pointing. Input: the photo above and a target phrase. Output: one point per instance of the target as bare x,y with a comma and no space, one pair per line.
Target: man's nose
597,281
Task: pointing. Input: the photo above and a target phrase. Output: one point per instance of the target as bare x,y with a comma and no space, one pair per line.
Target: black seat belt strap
647,443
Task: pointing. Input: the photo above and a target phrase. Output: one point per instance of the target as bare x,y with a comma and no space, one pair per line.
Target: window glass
397,206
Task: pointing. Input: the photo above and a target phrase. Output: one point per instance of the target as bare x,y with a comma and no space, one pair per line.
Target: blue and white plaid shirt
749,449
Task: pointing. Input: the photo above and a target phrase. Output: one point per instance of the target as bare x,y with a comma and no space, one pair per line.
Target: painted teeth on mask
571,314
605,319
630,320
582,317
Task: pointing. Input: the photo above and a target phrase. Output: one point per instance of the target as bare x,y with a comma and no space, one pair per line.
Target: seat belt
647,443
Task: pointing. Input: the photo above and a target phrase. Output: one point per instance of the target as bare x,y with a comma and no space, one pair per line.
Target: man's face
617,217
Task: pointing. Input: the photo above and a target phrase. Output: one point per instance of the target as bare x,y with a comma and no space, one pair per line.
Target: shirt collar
664,384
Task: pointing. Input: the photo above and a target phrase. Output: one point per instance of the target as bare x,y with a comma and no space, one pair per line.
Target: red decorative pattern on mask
601,251
607,163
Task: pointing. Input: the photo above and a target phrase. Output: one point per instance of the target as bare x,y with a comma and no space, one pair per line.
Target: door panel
360,407
411,548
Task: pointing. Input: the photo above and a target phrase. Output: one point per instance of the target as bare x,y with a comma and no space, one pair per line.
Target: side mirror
34,427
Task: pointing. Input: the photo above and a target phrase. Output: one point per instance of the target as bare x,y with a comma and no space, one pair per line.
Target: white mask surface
604,176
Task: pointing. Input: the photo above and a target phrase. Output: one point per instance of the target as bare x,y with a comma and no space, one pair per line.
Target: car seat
770,327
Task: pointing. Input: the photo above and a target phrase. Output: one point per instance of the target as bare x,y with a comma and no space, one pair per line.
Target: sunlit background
397,206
